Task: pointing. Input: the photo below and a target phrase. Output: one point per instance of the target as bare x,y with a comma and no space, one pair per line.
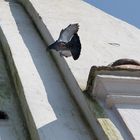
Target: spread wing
67,33
75,46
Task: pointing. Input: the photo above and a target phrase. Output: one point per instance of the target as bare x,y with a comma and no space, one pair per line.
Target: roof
104,38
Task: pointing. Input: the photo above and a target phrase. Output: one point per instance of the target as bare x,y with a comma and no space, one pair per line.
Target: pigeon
68,43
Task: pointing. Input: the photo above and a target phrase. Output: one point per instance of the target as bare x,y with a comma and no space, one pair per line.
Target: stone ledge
117,91
107,70
111,100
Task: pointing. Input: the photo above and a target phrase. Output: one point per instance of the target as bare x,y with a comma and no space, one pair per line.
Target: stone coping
123,70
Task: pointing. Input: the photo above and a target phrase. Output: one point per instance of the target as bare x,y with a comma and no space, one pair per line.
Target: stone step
116,85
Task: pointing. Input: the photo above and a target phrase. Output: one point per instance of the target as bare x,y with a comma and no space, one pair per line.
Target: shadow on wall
67,125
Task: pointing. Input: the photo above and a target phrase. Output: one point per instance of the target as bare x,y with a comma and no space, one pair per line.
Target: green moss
98,110
95,107
110,130
8,98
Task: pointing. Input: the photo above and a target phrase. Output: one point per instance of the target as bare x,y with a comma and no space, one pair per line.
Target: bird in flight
68,43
